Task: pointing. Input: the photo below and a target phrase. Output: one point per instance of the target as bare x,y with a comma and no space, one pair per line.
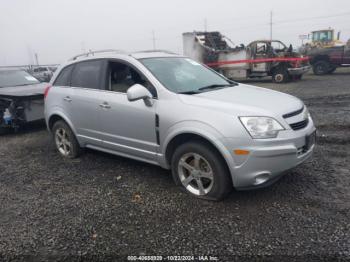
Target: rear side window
63,78
87,74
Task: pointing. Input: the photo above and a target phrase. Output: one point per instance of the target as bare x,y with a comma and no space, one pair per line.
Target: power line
286,21
312,18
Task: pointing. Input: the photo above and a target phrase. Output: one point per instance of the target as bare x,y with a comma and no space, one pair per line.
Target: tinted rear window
63,78
87,74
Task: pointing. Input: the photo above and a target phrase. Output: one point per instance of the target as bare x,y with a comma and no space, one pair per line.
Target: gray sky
59,29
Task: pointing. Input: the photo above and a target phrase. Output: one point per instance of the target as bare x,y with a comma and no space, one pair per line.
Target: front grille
299,125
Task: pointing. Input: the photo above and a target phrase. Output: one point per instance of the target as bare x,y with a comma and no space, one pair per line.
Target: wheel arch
184,136
56,117
279,66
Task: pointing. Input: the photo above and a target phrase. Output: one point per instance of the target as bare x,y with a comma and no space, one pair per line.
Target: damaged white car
21,99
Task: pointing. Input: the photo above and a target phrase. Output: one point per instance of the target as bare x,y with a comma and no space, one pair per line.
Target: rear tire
280,75
65,140
201,171
332,69
321,68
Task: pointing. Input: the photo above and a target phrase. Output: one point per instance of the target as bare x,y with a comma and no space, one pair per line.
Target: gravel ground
104,207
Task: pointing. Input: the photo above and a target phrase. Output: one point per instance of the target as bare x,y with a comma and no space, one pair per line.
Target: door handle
105,105
68,99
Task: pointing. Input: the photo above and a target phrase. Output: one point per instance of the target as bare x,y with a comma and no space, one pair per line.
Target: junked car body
21,99
258,59
169,110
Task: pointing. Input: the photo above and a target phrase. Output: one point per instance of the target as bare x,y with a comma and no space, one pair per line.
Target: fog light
261,178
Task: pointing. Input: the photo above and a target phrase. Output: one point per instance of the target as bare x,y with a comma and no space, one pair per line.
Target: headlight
307,114
261,127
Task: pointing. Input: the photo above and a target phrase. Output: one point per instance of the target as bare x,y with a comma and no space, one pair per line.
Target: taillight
46,92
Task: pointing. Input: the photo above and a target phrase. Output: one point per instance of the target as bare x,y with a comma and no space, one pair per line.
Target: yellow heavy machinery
326,52
325,38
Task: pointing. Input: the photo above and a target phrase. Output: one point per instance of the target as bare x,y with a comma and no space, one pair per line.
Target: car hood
26,90
245,100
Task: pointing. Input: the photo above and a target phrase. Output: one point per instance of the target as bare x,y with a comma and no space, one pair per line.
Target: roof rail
156,50
92,53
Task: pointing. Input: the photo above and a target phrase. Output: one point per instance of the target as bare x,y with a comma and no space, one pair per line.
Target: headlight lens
261,126
307,113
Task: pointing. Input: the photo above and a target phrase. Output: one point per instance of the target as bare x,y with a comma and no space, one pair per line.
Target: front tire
321,68
65,141
201,171
280,76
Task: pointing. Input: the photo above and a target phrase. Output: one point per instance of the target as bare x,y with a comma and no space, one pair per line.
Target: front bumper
298,70
268,158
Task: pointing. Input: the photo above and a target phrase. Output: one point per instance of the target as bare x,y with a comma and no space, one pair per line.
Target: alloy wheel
63,142
279,78
195,174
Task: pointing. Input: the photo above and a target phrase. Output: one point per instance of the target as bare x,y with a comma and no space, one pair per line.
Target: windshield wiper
216,86
188,92
192,92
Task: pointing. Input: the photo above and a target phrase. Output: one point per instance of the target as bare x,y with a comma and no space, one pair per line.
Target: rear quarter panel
55,105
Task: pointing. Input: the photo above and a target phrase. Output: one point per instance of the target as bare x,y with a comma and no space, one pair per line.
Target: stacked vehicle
259,59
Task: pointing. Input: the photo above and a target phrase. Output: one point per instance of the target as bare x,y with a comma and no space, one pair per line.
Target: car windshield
278,46
16,78
184,75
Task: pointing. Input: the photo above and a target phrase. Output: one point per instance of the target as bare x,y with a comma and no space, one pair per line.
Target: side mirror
137,92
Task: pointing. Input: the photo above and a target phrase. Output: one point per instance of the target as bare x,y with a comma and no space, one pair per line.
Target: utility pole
271,25
205,25
154,40
36,58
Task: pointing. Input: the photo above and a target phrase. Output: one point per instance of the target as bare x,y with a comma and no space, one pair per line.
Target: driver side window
261,48
122,76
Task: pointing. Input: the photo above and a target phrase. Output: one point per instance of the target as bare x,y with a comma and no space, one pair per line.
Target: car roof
117,54
153,54
121,54
267,41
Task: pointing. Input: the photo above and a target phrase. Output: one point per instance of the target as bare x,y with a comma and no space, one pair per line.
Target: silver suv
168,110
